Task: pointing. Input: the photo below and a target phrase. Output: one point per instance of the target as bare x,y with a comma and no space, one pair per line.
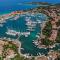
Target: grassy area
18,57
1,58
47,29
12,46
47,42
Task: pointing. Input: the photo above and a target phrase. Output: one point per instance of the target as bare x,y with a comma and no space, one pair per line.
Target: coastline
52,16
16,42
38,42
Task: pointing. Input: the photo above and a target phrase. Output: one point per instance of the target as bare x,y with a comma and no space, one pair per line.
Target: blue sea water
8,9
19,25
11,2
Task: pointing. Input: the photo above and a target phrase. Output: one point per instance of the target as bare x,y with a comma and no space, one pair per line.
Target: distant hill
38,3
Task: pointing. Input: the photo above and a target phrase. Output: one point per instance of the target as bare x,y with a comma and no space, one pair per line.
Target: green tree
47,29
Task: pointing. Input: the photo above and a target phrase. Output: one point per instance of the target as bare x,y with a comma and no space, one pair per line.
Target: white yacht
28,18
39,21
35,42
37,36
28,23
30,29
12,32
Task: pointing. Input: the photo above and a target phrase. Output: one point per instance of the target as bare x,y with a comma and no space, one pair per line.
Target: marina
27,34
27,29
